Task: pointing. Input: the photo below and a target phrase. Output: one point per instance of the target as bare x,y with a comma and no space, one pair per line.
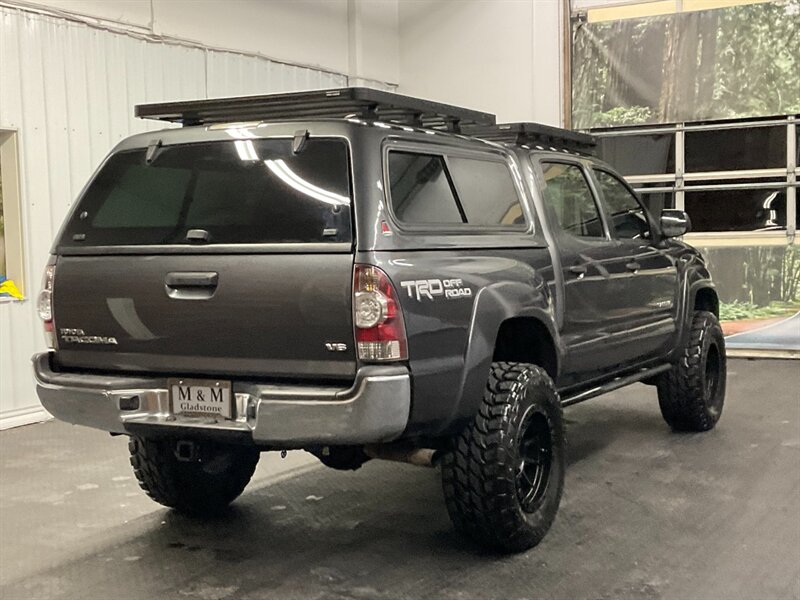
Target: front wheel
194,477
691,395
504,477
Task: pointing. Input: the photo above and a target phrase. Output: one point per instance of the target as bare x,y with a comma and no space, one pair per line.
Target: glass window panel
655,202
2,232
12,263
243,191
143,196
568,194
735,182
639,154
737,210
735,61
628,220
486,191
735,149
420,190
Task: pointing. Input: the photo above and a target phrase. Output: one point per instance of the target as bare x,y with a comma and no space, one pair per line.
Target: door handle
190,279
633,266
579,270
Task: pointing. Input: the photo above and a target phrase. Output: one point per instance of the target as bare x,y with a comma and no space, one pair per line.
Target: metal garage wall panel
232,75
69,91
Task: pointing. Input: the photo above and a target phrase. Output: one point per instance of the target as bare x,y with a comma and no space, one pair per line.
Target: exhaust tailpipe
422,457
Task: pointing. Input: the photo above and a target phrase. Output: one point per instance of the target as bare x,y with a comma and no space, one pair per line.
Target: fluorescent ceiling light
246,150
292,179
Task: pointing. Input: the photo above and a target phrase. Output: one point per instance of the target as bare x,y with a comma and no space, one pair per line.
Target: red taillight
378,318
45,305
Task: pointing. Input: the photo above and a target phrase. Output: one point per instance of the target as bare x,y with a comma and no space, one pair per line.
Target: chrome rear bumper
374,409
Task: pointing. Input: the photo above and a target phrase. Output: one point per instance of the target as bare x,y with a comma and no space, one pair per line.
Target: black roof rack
359,102
535,134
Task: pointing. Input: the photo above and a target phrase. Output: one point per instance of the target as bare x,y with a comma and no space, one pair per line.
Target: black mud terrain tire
504,476
202,482
691,395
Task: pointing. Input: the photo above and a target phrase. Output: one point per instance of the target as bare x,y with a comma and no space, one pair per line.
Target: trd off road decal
430,288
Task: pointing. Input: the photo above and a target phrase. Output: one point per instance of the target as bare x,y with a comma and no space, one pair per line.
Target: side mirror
674,223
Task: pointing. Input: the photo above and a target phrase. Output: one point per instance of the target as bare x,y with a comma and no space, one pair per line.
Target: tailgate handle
196,280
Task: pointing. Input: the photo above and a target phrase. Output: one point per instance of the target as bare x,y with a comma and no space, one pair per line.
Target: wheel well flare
706,299
526,340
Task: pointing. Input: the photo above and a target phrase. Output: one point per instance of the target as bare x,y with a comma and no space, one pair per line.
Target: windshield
226,192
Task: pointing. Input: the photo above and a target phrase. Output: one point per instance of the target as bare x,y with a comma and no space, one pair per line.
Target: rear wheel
503,479
691,395
193,477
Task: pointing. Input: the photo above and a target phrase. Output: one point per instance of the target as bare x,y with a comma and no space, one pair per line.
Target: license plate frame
201,398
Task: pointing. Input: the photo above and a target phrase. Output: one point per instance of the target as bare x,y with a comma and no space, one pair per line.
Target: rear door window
567,192
487,192
239,191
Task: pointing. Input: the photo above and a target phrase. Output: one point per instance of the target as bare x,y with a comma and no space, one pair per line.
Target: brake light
45,305
379,328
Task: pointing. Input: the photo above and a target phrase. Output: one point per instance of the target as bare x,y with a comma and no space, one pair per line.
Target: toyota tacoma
366,275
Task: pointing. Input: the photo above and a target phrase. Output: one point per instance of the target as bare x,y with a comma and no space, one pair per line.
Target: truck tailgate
267,315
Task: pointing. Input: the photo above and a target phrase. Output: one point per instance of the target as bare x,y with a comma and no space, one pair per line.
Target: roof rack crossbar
536,134
356,102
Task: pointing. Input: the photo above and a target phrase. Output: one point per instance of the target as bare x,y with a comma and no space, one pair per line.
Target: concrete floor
646,514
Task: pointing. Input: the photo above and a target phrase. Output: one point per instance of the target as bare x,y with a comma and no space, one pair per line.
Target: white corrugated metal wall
68,89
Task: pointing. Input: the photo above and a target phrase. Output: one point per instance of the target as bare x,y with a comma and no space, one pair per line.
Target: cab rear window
226,192
433,189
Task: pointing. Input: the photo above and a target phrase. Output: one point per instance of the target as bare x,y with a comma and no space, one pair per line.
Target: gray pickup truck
366,275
